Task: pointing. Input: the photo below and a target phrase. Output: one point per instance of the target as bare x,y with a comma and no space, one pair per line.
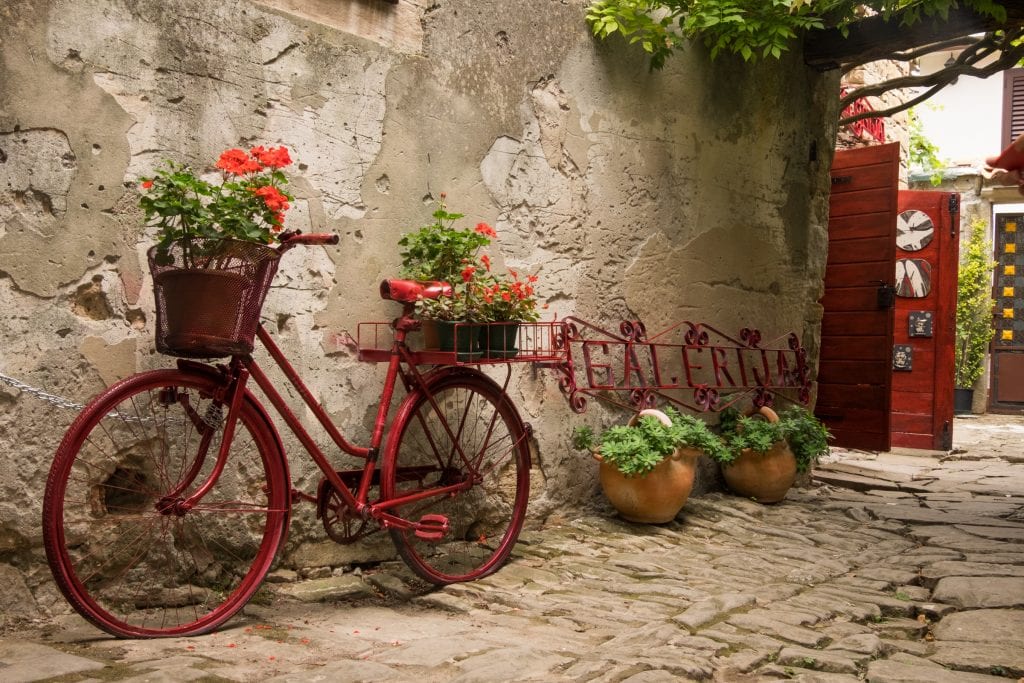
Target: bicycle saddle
408,291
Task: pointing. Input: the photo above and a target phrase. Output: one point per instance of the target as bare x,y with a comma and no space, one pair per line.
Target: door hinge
954,211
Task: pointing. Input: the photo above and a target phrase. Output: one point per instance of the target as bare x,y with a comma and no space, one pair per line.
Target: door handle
886,295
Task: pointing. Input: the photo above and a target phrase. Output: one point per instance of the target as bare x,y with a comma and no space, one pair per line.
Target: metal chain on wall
214,416
52,399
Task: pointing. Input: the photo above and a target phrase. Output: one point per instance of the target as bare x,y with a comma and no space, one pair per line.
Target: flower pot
764,477
658,496
210,310
431,342
197,311
461,337
498,340
963,401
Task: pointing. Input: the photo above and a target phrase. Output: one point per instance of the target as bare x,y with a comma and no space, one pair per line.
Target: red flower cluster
276,201
237,162
272,197
509,291
486,230
275,157
248,204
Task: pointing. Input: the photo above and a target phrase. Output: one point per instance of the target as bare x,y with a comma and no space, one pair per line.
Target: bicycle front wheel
126,552
461,432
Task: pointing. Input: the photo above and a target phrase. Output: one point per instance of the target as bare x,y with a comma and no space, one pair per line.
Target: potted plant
440,252
505,303
647,466
766,450
453,323
212,263
974,328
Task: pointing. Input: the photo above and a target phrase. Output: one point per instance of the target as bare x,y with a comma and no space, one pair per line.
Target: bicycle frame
241,368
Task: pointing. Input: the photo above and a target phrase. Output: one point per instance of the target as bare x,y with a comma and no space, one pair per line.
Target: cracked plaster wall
699,192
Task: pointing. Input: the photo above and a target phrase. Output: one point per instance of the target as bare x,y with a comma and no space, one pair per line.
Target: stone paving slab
26,661
831,585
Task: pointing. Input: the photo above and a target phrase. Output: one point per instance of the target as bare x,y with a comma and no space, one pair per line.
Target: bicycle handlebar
311,238
291,239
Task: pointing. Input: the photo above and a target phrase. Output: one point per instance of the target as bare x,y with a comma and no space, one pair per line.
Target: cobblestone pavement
918,576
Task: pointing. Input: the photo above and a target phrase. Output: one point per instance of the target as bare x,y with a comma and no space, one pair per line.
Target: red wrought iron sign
690,364
872,126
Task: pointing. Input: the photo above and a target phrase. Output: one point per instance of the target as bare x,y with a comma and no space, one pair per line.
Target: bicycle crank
342,524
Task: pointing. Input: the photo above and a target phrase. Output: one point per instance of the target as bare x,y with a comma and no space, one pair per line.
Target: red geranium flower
272,197
237,162
146,184
486,261
486,230
467,273
275,157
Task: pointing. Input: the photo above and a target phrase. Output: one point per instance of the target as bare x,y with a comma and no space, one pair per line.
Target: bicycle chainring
342,524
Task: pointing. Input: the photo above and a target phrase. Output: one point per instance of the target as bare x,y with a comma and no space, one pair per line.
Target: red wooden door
927,248
855,371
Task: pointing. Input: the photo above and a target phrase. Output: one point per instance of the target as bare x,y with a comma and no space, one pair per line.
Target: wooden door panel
921,378
851,178
1010,388
833,397
853,348
912,402
1007,375
850,298
922,400
858,274
854,377
857,203
863,421
851,324
858,251
866,372
863,225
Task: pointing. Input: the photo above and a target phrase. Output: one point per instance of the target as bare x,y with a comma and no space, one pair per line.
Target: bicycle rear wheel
463,430
124,551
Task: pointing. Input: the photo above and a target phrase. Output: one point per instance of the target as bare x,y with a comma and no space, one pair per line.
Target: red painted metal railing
693,365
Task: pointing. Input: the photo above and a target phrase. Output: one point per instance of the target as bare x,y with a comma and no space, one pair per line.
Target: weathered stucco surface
699,192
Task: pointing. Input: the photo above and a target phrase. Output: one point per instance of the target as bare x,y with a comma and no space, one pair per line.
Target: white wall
964,120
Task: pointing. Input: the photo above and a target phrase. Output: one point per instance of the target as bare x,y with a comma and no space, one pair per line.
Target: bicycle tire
484,520
125,557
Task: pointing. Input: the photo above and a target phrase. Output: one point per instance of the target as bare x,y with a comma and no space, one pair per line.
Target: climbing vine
753,29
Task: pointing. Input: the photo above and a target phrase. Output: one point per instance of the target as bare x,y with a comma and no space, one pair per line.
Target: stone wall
699,192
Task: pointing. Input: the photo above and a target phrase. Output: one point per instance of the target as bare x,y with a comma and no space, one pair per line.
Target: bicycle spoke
124,549
461,434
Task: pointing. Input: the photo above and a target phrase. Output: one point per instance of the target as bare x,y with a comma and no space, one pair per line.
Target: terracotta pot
431,340
658,496
765,477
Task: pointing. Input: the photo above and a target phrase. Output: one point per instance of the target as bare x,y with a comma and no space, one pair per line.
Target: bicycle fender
216,373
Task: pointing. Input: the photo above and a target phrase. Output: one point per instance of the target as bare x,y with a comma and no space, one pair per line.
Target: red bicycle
170,494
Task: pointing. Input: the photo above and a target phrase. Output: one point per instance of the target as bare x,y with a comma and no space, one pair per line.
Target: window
1013,105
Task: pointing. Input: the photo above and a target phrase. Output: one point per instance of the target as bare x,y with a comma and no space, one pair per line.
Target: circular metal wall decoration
914,230
913,278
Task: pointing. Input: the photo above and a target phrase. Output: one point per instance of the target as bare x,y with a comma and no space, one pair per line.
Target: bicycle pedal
431,527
